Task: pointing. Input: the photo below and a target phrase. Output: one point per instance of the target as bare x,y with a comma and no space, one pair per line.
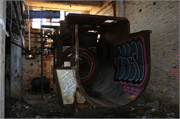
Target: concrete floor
33,107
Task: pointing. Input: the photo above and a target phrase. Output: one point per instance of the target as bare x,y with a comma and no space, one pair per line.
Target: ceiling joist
77,6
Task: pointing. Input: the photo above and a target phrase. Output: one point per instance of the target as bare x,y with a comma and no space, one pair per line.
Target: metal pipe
59,46
76,52
19,46
28,25
120,8
114,8
42,87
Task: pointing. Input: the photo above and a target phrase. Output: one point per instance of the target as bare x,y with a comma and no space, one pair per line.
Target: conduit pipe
120,8
28,25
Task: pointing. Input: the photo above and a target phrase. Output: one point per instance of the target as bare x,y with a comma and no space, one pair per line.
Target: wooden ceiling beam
81,3
60,9
61,6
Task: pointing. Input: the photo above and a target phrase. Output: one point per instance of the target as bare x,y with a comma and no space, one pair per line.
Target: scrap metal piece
67,84
80,98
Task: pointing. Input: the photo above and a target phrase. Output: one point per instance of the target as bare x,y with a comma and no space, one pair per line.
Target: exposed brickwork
30,71
163,19
107,11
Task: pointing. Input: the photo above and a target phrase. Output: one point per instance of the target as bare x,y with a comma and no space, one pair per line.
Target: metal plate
67,83
125,78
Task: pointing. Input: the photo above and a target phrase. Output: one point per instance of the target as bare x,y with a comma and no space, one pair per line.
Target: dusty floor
33,107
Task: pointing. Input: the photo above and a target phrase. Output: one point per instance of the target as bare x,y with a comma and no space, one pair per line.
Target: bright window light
36,22
72,12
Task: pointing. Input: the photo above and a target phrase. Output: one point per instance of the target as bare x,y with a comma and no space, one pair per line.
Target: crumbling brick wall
162,18
32,69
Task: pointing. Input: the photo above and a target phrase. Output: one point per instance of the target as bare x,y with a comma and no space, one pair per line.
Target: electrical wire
10,31
14,29
13,21
12,34
7,6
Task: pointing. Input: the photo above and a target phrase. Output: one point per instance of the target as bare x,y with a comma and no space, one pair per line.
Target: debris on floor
34,107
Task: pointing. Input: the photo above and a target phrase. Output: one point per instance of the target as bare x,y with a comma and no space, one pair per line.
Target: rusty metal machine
99,63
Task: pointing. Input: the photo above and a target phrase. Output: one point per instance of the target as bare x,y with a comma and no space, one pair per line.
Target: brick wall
162,18
32,69
107,10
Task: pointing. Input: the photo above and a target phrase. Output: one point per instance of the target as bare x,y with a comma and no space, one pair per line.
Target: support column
2,56
120,8
16,64
16,59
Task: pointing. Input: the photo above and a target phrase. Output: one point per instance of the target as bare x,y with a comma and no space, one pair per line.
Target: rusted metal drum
123,74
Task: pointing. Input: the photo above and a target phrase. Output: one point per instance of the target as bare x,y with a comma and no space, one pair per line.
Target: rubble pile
49,108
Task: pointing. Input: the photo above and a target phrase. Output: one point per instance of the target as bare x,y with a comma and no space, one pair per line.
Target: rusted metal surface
60,44
76,52
111,88
59,53
123,59
114,8
88,20
47,64
61,27
79,104
88,39
88,64
72,50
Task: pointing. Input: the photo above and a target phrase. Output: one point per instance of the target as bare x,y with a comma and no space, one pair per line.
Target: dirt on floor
33,107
